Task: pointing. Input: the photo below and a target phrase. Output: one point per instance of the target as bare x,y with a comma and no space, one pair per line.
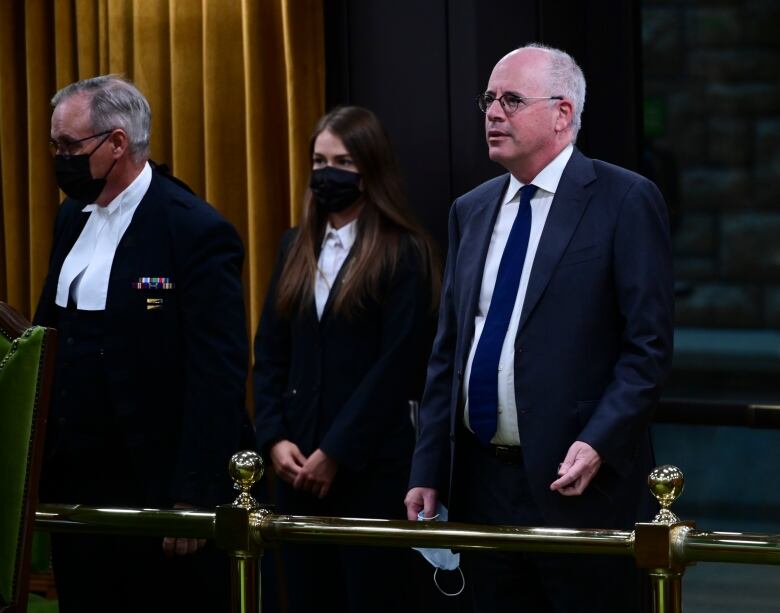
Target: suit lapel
135,238
343,272
62,246
73,231
567,207
479,227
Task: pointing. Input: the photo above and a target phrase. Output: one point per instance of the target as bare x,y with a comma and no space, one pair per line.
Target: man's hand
316,475
581,464
181,546
287,460
420,499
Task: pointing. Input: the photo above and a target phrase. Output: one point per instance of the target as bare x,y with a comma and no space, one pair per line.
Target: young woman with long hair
340,351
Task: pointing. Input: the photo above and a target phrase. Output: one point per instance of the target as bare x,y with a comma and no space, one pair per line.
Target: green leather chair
26,368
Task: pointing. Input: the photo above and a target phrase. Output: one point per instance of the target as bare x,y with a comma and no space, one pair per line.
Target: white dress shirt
335,248
86,270
546,181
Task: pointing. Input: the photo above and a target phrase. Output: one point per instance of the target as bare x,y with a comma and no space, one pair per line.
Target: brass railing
244,529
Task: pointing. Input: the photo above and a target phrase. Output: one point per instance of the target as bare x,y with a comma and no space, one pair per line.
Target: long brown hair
384,218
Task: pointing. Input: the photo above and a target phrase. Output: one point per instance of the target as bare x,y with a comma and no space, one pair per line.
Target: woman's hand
316,475
287,459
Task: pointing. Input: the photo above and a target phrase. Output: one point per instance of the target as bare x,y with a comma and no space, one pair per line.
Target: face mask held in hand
441,559
334,189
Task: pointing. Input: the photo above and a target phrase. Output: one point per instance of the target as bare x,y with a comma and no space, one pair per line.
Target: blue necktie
483,381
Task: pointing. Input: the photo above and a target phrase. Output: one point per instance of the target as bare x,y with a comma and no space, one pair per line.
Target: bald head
532,115
561,74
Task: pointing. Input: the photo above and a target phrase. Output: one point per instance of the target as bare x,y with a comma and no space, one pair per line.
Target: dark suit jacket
176,374
342,384
593,346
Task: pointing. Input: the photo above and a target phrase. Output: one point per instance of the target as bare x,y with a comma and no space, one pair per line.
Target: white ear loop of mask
462,583
434,555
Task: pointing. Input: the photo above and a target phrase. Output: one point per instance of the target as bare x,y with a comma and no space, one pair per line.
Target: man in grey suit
554,339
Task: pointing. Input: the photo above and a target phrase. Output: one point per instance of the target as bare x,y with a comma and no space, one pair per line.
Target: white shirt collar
345,234
547,179
129,198
86,270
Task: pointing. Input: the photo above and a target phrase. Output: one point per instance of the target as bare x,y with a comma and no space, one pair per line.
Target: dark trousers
99,573
496,491
86,463
349,578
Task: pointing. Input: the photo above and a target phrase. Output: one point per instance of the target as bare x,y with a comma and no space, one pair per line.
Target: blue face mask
443,559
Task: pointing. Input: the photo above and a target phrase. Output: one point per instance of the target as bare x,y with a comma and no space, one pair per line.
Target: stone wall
712,118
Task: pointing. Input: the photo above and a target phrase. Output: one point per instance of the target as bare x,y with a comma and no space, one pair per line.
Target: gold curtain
235,88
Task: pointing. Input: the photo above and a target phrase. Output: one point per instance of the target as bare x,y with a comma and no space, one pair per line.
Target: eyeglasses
68,148
509,102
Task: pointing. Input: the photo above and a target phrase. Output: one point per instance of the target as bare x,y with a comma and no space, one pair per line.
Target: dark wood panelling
419,65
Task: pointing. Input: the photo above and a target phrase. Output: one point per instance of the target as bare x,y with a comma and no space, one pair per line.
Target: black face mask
334,189
75,178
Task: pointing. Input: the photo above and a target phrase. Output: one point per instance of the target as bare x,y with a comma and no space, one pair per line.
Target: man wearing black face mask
144,286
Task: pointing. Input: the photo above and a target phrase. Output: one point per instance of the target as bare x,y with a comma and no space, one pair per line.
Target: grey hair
565,78
115,103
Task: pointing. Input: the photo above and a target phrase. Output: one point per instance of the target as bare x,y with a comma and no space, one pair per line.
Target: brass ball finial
666,484
246,469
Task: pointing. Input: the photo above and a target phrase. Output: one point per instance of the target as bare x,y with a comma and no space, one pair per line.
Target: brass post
234,533
656,544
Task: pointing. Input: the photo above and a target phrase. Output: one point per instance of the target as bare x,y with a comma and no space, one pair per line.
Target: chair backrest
26,370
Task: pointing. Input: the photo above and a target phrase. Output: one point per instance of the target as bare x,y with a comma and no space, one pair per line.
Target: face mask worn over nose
441,559
75,178
334,189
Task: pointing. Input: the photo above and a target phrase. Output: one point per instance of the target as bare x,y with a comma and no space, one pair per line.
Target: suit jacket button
71,340
452,436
